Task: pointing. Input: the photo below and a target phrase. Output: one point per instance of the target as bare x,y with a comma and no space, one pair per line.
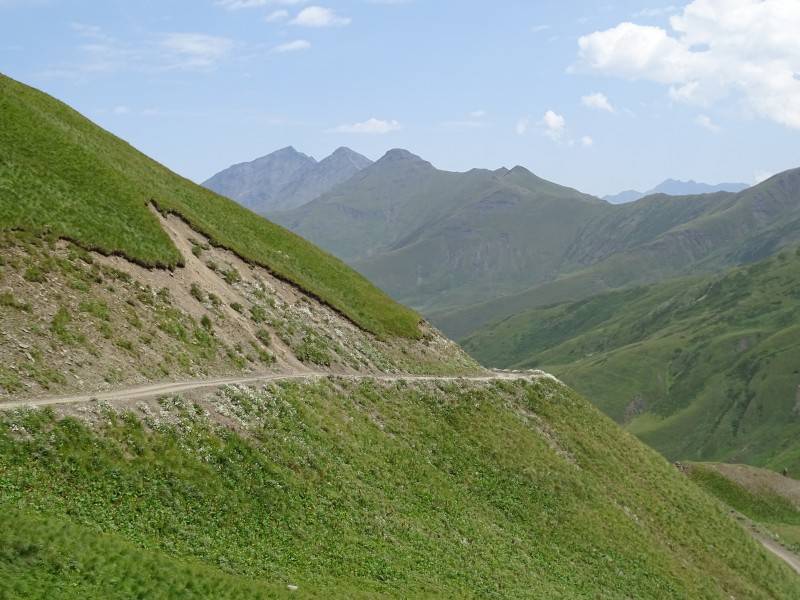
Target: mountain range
701,368
286,178
435,238
198,403
674,187
470,248
669,311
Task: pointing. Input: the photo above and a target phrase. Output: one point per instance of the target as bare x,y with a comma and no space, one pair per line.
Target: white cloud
706,122
121,110
240,4
597,101
294,46
277,15
475,120
587,141
523,125
92,32
539,28
657,11
196,50
747,50
100,54
554,125
370,126
319,16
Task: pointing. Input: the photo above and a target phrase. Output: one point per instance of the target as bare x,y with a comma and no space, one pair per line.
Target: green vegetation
264,337
770,500
430,237
197,293
258,314
314,350
468,249
761,505
231,276
60,327
54,558
60,174
7,299
701,369
363,489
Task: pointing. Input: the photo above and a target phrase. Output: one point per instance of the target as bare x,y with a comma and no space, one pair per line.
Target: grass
8,300
364,489
54,558
775,513
60,174
762,506
702,368
59,326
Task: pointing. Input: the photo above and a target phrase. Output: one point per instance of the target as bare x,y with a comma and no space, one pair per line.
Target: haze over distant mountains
675,187
286,178
469,248
438,238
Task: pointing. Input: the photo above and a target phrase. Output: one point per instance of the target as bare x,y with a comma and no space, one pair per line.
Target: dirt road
790,558
175,387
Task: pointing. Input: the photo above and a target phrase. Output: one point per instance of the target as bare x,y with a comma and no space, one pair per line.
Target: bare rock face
286,178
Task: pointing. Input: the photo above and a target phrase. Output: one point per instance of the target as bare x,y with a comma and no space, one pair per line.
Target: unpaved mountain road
787,556
154,390
176,387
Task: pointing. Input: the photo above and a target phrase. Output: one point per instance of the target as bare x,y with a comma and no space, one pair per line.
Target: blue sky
602,96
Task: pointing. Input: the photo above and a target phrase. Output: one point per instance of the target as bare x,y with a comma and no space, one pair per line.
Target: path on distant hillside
175,387
787,556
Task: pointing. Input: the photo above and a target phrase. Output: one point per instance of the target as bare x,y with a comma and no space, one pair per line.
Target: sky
598,95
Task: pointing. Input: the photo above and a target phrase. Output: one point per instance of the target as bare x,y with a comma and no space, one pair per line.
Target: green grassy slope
765,497
705,368
435,238
747,495
468,249
651,240
55,558
62,174
452,490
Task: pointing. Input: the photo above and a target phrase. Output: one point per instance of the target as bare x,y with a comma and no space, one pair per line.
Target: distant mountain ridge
466,249
675,187
438,238
653,239
286,178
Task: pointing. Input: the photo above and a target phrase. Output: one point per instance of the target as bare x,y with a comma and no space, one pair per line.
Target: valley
406,354
701,369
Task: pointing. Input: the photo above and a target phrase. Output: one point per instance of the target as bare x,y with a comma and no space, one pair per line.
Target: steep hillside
369,490
651,240
766,502
60,174
433,238
467,249
704,368
286,178
346,476
72,320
